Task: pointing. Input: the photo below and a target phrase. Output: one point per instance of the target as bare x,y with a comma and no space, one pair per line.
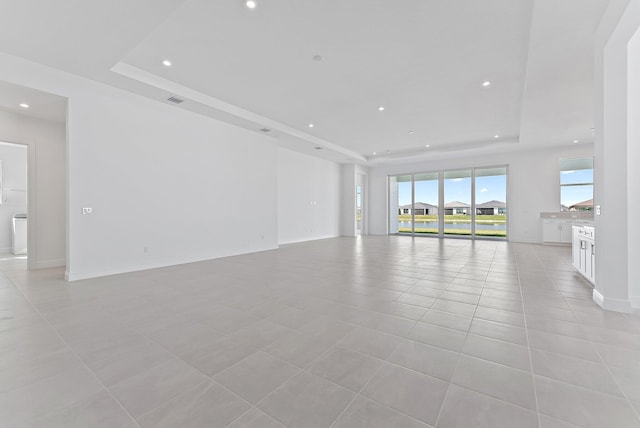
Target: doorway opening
13,206
33,184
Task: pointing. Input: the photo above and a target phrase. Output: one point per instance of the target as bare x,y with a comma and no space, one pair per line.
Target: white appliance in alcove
19,235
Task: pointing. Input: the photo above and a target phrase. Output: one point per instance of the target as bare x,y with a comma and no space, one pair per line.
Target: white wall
633,171
14,189
616,183
47,202
156,176
533,186
308,197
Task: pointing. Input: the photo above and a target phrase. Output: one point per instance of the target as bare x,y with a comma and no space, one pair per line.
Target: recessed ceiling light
486,83
374,153
412,132
317,58
166,63
381,108
496,136
318,148
427,146
251,4
311,125
576,141
24,105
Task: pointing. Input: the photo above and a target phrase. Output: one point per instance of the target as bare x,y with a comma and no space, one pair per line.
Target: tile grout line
79,359
593,345
526,330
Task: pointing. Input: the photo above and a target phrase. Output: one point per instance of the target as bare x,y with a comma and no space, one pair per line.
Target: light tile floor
368,332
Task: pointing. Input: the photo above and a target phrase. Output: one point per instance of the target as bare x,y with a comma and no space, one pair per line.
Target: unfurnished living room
340,214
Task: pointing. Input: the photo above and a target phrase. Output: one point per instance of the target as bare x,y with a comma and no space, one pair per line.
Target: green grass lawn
456,218
452,219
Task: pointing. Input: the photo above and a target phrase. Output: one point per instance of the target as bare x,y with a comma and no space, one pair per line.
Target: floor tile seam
397,365
337,345
366,397
502,309
609,371
457,301
530,355
564,421
147,367
174,398
480,317
377,312
83,363
299,369
455,313
538,348
302,370
586,339
356,395
586,389
624,394
446,394
444,326
176,355
386,361
476,357
327,351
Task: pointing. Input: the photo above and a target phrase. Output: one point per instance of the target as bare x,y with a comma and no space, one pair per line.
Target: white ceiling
42,105
423,60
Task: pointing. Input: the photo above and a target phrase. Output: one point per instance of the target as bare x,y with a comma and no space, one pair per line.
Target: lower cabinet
584,251
556,231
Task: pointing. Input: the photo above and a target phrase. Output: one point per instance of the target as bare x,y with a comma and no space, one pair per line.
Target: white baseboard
153,264
615,305
315,238
45,264
635,302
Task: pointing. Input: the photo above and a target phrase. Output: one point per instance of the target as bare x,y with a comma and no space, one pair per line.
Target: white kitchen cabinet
584,251
556,231
575,246
566,232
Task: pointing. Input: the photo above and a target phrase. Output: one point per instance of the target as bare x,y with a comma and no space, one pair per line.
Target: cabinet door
550,232
566,233
592,278
575,247
583,256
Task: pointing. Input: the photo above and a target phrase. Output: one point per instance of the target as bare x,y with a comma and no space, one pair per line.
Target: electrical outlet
87,211
597,209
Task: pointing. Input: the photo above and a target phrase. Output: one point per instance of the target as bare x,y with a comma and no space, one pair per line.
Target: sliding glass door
425,205
457,206
400,207
462,203
491,202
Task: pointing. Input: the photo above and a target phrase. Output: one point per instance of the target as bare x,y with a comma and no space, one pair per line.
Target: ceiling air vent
175,100
265,130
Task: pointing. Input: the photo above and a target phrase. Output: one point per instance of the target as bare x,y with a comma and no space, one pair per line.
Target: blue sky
493,188
570,195
456,189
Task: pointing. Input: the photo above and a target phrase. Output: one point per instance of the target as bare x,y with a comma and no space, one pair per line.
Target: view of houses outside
490,203
576,184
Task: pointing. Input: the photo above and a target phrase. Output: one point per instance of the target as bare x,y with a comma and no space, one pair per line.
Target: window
576,184
444,203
